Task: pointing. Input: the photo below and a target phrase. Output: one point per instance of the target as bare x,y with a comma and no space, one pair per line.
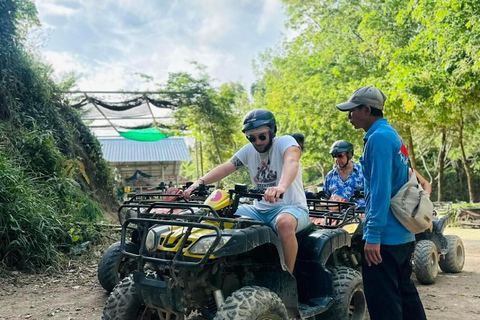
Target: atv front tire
114,266
125,303
252,303
425,261
349,301
455,258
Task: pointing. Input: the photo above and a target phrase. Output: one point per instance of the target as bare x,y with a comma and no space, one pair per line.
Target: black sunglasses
337,155
262,137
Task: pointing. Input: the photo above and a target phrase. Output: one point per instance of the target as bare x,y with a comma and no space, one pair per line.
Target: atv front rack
147,223
332,214
199,194
188,221
145,199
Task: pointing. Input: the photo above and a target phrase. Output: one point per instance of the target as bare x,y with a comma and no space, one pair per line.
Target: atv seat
307,230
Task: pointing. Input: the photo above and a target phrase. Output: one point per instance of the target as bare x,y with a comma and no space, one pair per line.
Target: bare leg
286,225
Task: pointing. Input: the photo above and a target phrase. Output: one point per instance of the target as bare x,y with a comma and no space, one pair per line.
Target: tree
422,54
211,114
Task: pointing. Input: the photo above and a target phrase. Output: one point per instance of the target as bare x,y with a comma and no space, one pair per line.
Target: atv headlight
204,243
151,242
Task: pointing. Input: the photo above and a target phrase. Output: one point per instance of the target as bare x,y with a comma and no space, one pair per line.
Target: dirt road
76,293
456,296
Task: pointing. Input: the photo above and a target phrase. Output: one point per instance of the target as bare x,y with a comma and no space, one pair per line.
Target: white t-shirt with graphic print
266,170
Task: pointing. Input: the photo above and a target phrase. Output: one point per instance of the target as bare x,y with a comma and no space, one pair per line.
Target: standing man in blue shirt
346,177
386,271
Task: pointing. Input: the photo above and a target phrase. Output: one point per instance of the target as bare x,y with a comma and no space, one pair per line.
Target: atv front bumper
159,294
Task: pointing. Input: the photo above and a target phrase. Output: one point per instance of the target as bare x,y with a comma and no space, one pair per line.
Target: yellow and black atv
211,264
113,265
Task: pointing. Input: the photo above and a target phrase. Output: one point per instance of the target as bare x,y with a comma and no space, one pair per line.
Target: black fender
311,272
319,245
438,228
440,224
247,239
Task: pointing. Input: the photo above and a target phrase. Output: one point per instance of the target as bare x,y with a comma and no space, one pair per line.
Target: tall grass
37,215
44,208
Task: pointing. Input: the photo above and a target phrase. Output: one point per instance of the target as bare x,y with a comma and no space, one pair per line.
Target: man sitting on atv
274,165
346,177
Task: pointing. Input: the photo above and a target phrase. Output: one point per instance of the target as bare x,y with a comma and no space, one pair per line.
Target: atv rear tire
425,261
113,266
252,303
125,303
455,258
348,297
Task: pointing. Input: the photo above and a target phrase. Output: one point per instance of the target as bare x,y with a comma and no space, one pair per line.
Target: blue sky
107,41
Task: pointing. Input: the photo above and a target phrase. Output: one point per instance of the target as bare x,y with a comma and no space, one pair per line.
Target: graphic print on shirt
265,177
403,152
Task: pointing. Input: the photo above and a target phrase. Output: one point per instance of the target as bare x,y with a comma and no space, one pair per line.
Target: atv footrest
314,307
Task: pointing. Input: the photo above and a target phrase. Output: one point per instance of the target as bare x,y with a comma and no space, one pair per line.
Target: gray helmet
342,146
257,118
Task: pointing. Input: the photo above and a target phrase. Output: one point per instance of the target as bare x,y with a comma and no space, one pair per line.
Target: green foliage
214,117
35,215
74,167
52,175
40,154
424,56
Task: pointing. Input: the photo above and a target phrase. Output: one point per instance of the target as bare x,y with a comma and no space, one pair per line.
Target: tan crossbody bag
412,206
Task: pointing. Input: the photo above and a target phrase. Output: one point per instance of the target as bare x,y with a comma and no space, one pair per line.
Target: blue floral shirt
335,186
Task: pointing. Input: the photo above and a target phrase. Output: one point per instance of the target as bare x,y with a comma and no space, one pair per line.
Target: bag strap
413,171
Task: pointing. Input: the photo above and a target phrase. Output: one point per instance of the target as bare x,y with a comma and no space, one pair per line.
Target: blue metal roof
122,150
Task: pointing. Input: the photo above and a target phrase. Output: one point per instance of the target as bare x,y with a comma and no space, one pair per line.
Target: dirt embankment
76,294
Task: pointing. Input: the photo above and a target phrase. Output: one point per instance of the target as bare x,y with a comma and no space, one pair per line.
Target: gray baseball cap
368,95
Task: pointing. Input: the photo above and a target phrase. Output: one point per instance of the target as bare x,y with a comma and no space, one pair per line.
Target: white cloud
99,76
62,62
52,8
272,14
216,20
108,41
105,77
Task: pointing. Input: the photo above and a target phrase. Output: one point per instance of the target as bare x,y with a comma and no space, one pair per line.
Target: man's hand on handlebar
190,189
273,194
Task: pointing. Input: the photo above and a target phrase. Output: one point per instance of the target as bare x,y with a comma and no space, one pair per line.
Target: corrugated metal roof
122,150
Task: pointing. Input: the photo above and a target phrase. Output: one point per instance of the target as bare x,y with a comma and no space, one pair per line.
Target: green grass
36,217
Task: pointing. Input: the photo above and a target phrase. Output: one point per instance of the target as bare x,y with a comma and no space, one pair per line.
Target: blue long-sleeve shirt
385,169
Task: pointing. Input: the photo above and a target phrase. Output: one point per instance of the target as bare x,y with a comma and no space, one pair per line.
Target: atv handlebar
254,193
200,194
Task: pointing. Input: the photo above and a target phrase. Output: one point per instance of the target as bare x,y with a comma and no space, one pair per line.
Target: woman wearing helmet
346,177
274,164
